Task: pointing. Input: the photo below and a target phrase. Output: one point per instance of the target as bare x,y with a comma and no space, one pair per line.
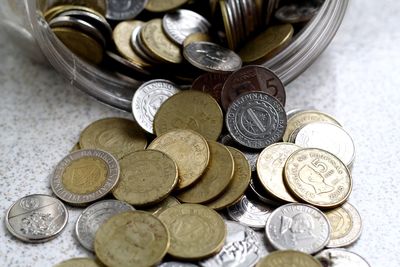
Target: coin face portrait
314,179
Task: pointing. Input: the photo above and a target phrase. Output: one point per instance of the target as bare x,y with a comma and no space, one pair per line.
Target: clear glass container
23,21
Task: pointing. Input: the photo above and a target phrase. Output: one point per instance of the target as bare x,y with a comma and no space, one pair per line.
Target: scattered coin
158,208
257,190
197,37
292,112
80,262
177,264
76,147
288,258
295,13
340,258
124,10
210,83
163,5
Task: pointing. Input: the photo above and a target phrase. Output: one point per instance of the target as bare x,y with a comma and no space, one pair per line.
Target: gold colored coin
76,147
158,44
267,44
188,149
318,177
302,118
215,178
99,6
158,208
227,24
53,12
270,165
163,5
238,185
196,231
118,136
81,44
196,37
80,262
286,258
192,110
133,238
147,177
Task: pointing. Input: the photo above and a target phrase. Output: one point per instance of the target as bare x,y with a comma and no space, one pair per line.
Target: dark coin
256,120
211,83
124,9
252,78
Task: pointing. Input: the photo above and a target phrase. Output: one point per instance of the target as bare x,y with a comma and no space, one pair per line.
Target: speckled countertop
357,79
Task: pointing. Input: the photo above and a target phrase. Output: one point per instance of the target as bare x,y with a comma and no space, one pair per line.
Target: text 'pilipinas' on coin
288,258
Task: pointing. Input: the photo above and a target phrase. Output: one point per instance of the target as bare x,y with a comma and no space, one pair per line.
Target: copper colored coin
252,78
211,83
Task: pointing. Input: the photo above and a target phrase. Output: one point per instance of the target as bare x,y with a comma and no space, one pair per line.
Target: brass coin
318,177
188,149
118,136
215,178
158,44
196,231
158,208
270,165
76,147
147,177
53,12
192,110
80,262
238,185
163,5
99,6
133,238
81,44
267,44
286,258
197,37
227,24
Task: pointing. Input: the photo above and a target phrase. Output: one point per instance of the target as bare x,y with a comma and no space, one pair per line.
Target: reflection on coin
197,37
340,258
288,258
94,216
298,226
125,9
257,190
177,264
158,208
296,13
99,6
80,262
36,218
346,225
250,213
196,231
85,176
163,5
211,83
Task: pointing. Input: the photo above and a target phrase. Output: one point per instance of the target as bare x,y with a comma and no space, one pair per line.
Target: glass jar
24,22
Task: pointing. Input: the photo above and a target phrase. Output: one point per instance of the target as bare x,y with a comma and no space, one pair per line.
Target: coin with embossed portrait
288,258
340,258
124,9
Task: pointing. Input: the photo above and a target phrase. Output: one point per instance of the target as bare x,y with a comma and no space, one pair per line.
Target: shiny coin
341,258
256,120
196,37
99,6
196,231
80,262
125,9
242,248
36,218
317,177
270,169
215,178
55,11
139,48
250,213
299,227
192,110
133,238
164,5
177,264
288,258
296,13
188,149
211,57
116,135
158,208
294,111
94,216
125,66
346,225
211,83
226,17
147,177
257,189
85,176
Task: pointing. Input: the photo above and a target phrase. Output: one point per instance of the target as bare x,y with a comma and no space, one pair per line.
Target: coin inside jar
124,10
163,5
158,208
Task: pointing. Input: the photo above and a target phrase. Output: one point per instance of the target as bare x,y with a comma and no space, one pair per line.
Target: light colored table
357,79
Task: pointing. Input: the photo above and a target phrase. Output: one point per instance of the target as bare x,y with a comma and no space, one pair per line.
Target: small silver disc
124,9
340,258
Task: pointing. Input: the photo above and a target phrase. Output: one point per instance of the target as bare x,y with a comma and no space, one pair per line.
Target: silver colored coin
177,264
299,227
147,100
256,120
249,213
211,57
292,112
296,13
124,9
237,20
340,258
138,47
94,216
257,190
329,137
180,24
87,175
36,218
242,248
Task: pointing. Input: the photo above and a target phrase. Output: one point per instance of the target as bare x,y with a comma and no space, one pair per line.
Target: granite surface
356,79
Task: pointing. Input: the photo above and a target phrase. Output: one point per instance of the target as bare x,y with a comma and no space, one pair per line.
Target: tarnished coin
36,218
124,9
242,248
158,208
270,165
318,177
211,57
296,13
329,137
94,216
85,176
192,110
256,120
215,178
341,258
80,262
288,258
163,5
133,238
249,212
147,177
252,78
211,83
147,100
196,231
240,181
188,149
258,190
115,135
177,264
298,226
197,37
346,225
